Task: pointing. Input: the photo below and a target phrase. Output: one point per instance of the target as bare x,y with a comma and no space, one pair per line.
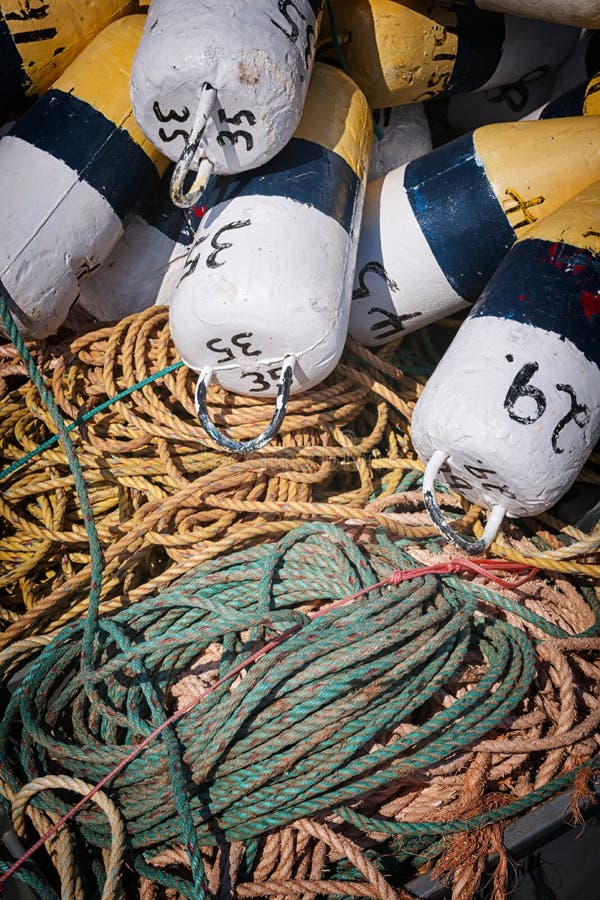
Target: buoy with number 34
72,169
512,411
263,303
435,230
221,86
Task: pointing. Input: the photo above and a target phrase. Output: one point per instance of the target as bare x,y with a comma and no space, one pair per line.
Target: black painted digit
26,15
579,413
234,136
193,258
212,345
244,345
237,118
259,380
377,269
211,260
294,31
172,115
519,388
391,324
167,138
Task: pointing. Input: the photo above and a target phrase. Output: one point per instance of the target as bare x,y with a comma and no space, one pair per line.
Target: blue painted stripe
555,287
303,171
459,215
103,155
481,36
160,212
13,79
568,104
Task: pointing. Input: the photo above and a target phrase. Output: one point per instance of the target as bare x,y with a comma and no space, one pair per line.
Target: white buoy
512,411
580,13
72,169
507,103
435,230
265,293
145,266
402,135
221,86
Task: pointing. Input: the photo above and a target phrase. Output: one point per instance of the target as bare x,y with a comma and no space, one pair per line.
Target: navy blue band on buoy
480,44
14,81
159,212
104,156
303,171
568,104
551,286
449,224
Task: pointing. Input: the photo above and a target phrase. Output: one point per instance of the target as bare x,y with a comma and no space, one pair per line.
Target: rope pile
406,726
165,499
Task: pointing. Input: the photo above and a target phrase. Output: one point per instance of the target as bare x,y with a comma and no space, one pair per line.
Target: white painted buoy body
71,170
515,401
435,231
256,54
38,40
404,134
506,103
269,275
145,265
402,54
579,13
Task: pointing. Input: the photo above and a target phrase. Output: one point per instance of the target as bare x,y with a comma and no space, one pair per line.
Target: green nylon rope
295,738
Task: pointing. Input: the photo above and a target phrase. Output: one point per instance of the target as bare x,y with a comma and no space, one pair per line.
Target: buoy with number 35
221,86
435,230
263,303
72,169
512,411
38,40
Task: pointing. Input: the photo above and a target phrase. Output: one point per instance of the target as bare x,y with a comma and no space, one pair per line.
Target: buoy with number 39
221,86
512,411
435,230
72,169
263,303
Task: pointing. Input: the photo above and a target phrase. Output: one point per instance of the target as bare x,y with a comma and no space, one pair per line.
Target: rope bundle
411,714
165,500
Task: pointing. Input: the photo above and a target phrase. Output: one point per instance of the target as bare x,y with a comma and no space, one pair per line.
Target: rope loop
473,548
179,195
281,405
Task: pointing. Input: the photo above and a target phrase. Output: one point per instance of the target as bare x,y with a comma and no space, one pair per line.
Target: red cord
477,567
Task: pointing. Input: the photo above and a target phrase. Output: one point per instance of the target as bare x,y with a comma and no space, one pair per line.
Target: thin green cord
81,420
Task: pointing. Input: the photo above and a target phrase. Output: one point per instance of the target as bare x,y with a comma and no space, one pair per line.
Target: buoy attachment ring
473,548
281,404
180,197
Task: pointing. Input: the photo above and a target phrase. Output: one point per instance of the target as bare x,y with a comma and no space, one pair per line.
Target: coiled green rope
295,737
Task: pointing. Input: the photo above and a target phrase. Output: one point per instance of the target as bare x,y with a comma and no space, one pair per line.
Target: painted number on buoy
391,323
31,13
212,260
292,30
171,116
521,392
260,382
234,136
239,341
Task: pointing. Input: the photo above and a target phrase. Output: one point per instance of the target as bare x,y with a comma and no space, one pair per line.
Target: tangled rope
343,735
165,499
